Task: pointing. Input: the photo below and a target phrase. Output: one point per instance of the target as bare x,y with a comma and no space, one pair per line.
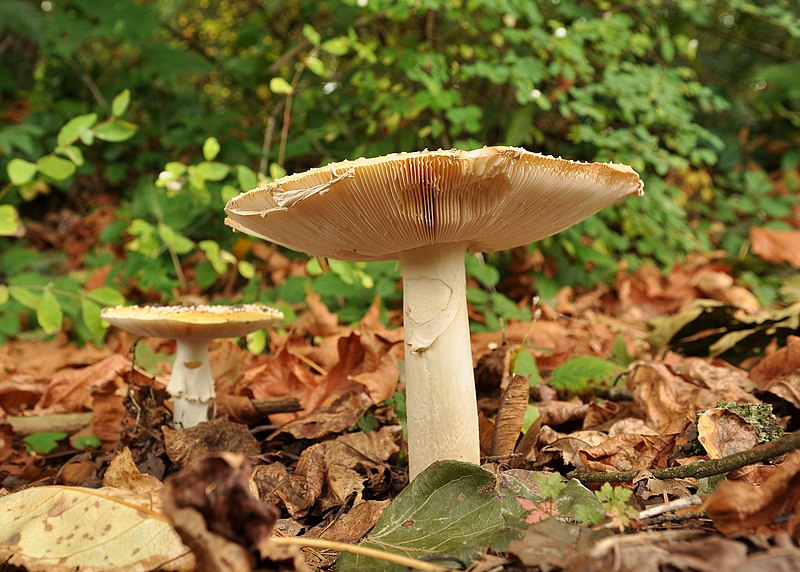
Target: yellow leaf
66,528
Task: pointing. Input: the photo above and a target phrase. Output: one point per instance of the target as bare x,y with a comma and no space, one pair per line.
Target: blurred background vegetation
125,126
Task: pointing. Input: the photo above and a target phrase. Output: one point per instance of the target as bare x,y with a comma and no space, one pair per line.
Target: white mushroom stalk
426,209
191,384
440,385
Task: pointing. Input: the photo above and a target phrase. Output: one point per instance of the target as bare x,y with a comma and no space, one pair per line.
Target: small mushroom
191,384
426,209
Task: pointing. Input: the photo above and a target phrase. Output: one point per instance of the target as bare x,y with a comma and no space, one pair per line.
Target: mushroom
191,384
426,209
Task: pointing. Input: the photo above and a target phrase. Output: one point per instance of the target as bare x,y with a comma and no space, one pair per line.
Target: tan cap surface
192,322
371,209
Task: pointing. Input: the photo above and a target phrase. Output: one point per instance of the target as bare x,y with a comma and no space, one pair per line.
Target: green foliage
585,373
615,502
525,364
86,442
43,443
167,109
452,510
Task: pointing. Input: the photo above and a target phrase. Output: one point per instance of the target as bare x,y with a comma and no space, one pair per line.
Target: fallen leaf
451,510
722,432
71,389
329,473
186,446
776,245
353,525
667,394
220,490
510,416
57,528
317,320
740,508
123,474
569,445
551,544
337,417
627,453
783,362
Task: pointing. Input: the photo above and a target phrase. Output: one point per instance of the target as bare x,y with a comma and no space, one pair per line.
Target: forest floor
656,364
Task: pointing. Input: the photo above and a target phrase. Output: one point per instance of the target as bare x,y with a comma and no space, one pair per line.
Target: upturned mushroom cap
191,322
372,209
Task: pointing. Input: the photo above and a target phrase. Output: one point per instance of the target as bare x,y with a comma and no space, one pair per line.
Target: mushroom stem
191,384
440,385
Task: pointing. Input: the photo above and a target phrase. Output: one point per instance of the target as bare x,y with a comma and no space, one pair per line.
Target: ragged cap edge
331,232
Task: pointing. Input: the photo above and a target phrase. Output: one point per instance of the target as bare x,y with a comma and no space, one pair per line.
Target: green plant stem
176,263
355,549
699,469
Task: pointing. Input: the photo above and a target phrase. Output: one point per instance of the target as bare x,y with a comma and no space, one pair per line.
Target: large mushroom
426,209
191,384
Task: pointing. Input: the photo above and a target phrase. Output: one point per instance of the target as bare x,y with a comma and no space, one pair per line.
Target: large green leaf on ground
452,510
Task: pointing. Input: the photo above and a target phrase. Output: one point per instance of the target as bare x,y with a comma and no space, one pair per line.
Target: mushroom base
191,384
440,385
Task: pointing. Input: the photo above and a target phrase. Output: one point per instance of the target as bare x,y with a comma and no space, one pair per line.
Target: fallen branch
699,469
49,423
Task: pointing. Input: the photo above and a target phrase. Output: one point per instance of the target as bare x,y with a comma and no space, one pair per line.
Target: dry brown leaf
36,360
58,528
719,286
492,368
788,388
510,416
71,389
776,245
783,361
629,425
353,525
19,392
187,446
568,446
666,394
722,432
220,490
555,413
365,362
286,374
627,453
123,474
740,508
317,320
108,413
331,420
599,413
329,473
485,433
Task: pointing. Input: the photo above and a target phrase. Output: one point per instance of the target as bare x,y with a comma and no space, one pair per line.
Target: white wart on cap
191,384
426,209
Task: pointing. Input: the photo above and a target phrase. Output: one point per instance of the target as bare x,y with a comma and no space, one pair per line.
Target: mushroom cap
492,198
191,322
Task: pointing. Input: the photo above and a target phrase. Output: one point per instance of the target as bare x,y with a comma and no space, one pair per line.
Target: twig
700,469
670,506
354,549
51,422
606,545
263,164
276,405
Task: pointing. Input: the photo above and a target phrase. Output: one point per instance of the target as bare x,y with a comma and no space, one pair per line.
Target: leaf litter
660,355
